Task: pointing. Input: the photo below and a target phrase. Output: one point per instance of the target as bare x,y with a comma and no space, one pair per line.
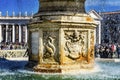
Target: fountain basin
104,70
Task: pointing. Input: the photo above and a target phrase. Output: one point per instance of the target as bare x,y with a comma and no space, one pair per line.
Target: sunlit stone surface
61,37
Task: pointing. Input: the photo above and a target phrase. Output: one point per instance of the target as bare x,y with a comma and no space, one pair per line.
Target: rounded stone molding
76,6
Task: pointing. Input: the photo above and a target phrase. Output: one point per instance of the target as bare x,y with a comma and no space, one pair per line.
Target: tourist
101,52
11,47
0,46
113,50
106,52
118,50
97,47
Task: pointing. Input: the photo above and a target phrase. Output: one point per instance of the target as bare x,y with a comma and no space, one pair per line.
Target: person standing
113,50
118,50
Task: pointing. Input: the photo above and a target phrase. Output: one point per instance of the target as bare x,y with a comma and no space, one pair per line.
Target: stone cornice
15,18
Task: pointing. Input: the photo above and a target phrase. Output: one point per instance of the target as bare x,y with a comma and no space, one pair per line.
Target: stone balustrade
13,53
15,17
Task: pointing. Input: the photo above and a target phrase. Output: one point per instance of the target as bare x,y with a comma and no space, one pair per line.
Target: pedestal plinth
62,43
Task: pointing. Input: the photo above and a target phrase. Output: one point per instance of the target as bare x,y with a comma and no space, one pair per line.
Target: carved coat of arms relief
74,44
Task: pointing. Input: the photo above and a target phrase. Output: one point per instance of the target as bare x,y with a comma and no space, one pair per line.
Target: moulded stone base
48,68
64,68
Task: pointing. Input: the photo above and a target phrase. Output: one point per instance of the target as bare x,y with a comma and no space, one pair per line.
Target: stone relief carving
92,44
92,38
84,43
49,47
74,44
50,43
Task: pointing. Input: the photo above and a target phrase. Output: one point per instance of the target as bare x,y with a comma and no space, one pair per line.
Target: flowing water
104,70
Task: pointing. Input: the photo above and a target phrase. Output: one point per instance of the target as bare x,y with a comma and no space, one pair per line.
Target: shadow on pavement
12,64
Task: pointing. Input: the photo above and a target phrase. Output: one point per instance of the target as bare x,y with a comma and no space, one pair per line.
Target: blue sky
18,6
32,6
103,5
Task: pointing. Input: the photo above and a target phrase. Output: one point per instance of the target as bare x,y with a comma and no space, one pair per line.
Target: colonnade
13,33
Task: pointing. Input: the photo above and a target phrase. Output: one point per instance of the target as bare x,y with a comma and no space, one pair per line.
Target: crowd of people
12,46
107,50
101,50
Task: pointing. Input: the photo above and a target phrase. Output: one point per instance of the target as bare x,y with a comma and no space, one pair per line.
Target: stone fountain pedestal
61,41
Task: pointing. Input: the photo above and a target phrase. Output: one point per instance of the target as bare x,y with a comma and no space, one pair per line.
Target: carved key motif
74,44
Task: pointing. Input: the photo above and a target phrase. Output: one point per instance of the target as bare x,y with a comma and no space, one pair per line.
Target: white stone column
61,46
99,32
40,42
19,33
26,34
0,33
6,32
13,33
